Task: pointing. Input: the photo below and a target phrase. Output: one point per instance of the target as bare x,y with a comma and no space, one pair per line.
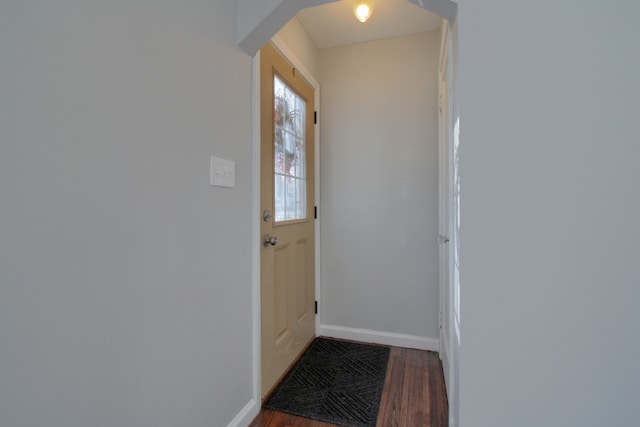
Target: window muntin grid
290,195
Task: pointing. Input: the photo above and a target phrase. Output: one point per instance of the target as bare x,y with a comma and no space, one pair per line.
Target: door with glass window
287,215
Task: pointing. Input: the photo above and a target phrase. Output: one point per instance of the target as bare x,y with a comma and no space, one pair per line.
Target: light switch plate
222,172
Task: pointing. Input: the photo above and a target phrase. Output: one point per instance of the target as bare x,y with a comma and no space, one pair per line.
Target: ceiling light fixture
362,10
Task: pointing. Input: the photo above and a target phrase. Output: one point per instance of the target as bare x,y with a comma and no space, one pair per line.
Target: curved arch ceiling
258,20
334,24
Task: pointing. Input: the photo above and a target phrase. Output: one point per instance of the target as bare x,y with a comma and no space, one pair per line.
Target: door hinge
440,319
315,117
315,212
316,307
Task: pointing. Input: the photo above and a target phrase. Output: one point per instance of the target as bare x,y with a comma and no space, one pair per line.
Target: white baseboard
379,337
246,415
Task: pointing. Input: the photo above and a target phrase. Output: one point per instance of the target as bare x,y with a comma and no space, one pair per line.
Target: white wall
379,189
550,213
258,21
298,40
124,277
125,285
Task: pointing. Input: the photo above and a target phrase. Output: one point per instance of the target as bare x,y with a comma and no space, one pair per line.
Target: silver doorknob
270,240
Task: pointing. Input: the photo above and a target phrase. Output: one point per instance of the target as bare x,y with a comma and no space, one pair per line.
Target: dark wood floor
414,395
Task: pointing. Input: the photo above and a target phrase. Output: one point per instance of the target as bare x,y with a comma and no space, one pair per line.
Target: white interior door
445,194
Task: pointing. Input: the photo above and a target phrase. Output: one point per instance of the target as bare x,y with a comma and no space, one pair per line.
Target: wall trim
255,228
380,337
246,415
255,209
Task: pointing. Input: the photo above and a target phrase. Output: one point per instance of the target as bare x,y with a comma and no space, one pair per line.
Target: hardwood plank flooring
414,395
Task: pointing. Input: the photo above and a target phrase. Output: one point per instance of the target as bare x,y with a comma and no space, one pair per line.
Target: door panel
302,293
287,193
281,327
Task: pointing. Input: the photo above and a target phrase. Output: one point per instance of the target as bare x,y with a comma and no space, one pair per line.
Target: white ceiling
333,24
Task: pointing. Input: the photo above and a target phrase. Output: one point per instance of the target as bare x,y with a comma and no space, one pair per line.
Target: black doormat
335,381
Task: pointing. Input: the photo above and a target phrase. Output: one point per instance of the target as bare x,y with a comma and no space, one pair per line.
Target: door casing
445,166
254,404
256,207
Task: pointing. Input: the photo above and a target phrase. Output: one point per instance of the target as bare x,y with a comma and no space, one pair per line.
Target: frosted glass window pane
301,199
278,112
300,166
290,212
300,118
279,192
279,154
289,153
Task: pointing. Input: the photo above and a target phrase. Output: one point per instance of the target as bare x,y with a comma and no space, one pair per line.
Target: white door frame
253,406
454,244
255,202
443,188
446,99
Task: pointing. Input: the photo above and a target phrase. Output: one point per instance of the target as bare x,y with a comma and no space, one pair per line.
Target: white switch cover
222,172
